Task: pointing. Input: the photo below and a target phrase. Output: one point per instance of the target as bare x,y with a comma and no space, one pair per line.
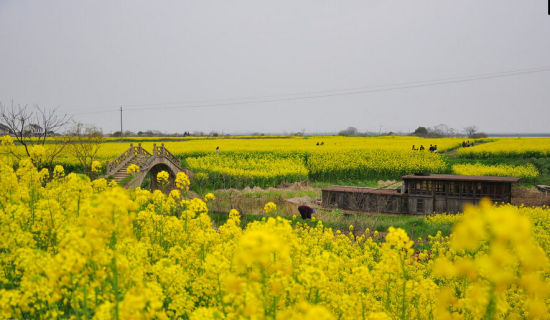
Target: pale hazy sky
92,56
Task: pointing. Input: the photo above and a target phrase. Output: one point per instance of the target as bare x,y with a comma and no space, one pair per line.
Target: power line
325,94
502,73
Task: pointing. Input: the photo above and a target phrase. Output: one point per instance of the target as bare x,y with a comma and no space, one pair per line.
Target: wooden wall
362,201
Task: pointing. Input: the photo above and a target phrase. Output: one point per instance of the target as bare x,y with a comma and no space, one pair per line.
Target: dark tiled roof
362,190
452,177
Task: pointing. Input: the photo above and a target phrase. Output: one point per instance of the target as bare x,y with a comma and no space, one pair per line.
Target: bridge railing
162,151
158,151
139,150
113,166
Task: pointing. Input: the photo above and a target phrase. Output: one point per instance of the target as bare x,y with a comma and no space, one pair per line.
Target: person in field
421,148
306,211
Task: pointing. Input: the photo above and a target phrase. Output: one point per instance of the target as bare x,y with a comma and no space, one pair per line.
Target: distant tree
350,131
470,131
31,127
441,130
116,134
479,135
452,132
85,144
421,131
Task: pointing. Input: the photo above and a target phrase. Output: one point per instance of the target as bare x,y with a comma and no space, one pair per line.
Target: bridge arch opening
150,180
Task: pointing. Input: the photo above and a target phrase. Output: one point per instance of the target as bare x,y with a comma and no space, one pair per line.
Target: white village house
33,129
4,130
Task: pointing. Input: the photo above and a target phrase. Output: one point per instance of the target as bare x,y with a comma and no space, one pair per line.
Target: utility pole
121,132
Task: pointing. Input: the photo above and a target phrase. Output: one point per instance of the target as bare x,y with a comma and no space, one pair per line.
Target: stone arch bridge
160,160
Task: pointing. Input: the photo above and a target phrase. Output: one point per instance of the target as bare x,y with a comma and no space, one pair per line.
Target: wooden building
422,194
364,199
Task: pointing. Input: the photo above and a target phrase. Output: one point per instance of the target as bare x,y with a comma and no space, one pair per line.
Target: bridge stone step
120,175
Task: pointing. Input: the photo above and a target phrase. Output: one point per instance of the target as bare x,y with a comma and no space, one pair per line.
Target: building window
419,205
440,187
453,188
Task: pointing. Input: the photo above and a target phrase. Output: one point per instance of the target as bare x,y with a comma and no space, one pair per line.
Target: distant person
463,144
435,148
468,143
322,142
431,148
218,150
421,148
317,142
414,147
306,211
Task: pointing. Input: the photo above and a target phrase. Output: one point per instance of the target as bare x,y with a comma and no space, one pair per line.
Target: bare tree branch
41,123
470,131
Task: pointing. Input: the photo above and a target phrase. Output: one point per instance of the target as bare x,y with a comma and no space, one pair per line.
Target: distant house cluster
33,130
4,130
29,130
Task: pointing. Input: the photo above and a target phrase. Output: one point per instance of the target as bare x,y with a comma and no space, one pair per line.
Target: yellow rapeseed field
280,145
270,161
71,248
509,147
248,169
524,171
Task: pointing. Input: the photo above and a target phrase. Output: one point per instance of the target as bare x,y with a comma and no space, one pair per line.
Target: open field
271,161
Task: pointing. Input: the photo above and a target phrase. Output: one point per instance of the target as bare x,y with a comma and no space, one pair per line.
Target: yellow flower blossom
182,181
163,177
132,169
209,196
270,207
96,166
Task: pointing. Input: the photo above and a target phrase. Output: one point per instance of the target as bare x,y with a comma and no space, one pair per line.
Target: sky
281,66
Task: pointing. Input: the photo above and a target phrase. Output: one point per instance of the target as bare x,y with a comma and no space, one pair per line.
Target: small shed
448,193
422,194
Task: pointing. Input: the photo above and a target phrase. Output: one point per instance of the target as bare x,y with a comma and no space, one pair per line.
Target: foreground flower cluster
75,248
